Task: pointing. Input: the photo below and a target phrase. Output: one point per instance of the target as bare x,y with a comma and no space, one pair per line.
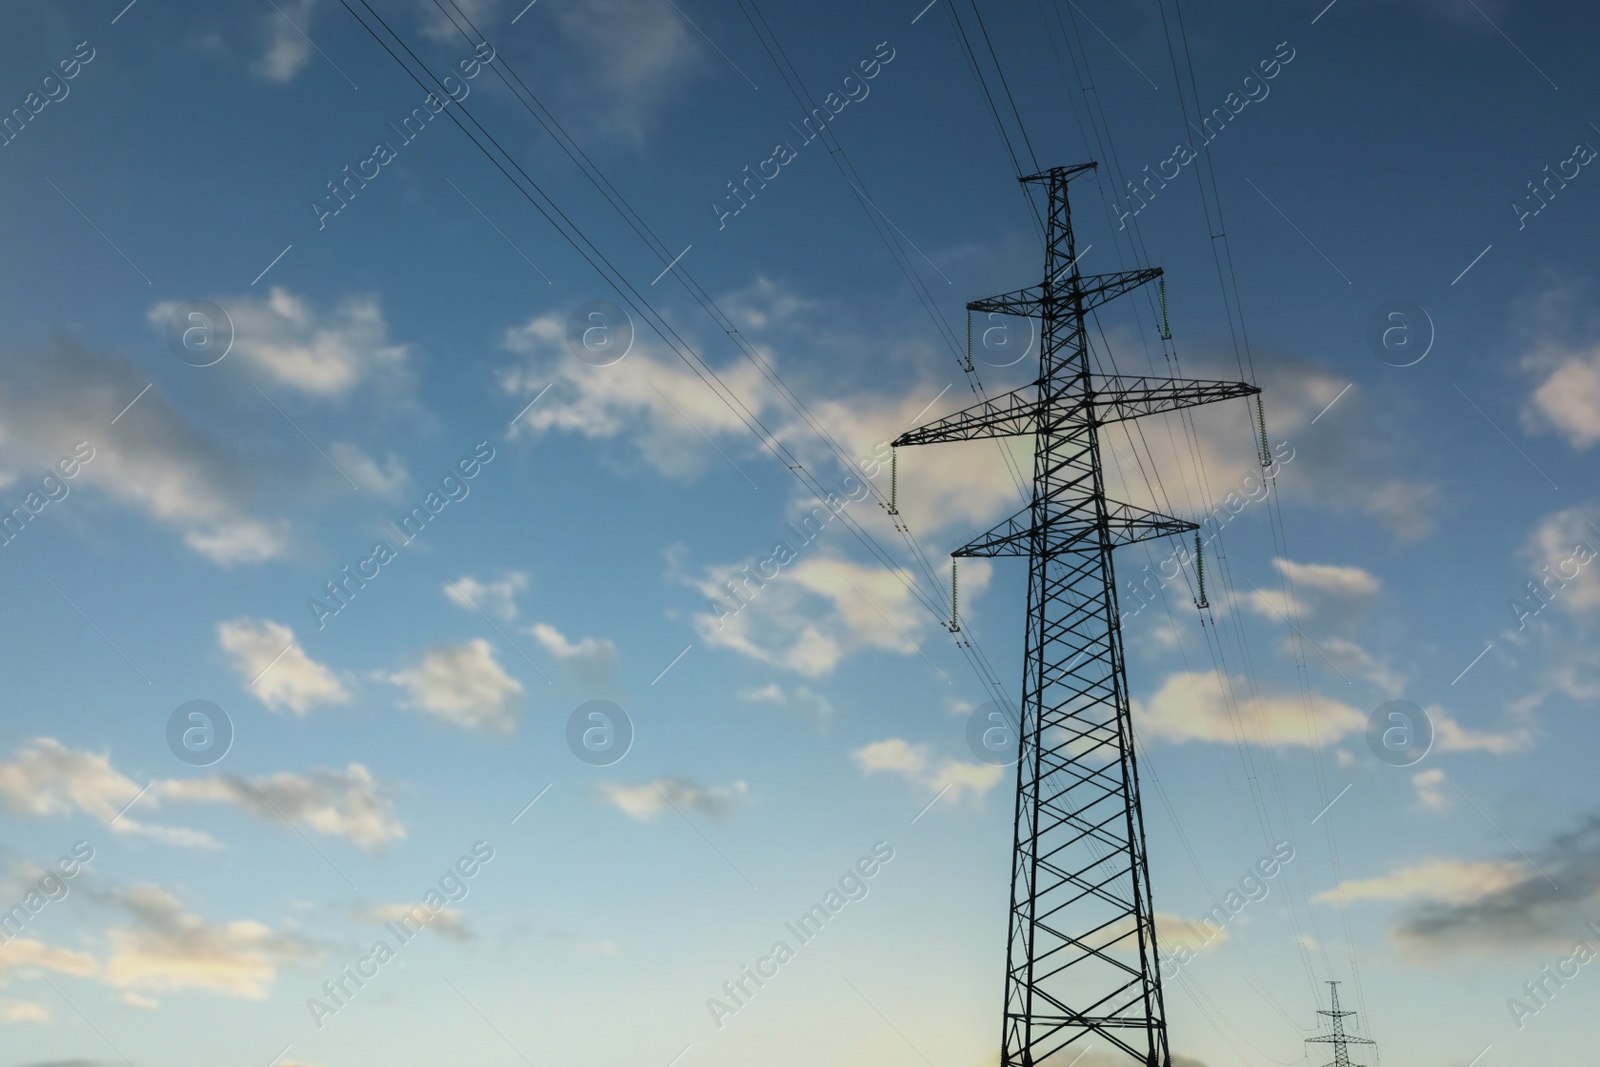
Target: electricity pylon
1081,955
1338,1039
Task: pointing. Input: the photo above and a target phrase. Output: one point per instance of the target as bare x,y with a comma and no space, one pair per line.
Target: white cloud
962,489
1568,399
1273,604
810,705
593,659
1340,581
437,26
764,304
916,764
155,461
347,803
645,802
1430,790
1195,706
23,1011
498,598
323,354
446,922
465,686
1330,465
46,778
660,407
1447,880
295,681
1352,659
1406,508
167,949
287,51
386,480
817,610
603,948
1499,905
1562,359
1555,554
25,953
1451,736
1172,932
652,398
661,50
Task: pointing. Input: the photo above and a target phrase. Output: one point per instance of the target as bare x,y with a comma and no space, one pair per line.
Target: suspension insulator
1200,573
955,614
894,481
969,342
1261,423
1166,329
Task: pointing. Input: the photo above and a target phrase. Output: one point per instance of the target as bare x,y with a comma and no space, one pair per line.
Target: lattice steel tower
1338,1039
1081,956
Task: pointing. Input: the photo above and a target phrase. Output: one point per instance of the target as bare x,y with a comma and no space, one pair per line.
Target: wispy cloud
592,659
917,764
45,778
272,665
463,685
646,801
497,597
1516,903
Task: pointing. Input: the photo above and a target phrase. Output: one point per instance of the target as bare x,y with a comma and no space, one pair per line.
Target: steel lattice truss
1081,958
1340,1040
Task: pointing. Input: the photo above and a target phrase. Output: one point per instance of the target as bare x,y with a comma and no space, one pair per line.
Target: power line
641,306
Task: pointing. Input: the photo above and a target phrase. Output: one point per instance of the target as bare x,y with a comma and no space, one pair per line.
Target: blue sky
411,352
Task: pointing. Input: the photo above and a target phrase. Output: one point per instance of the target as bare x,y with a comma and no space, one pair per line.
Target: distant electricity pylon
1081,954
1338,1039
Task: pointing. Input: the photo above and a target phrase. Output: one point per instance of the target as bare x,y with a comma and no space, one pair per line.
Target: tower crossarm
1116,398
1342,1039
1012,537
1061,174
1092,290
1110,398
1012,414
1125,524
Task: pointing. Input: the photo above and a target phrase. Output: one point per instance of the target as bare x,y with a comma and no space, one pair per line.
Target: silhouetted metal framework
1338,1039
1081,957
